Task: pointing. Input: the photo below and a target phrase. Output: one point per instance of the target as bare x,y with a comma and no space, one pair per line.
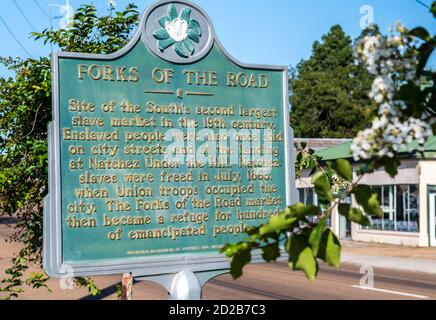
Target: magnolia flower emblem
178,31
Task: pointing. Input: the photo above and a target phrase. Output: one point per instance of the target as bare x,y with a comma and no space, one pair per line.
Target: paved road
277,282
268,282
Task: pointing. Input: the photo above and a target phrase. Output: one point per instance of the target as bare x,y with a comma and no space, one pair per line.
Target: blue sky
277,32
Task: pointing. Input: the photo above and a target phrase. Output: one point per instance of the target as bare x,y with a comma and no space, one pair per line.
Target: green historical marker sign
163,152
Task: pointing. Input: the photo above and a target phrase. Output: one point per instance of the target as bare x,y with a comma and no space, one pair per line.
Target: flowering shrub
394,61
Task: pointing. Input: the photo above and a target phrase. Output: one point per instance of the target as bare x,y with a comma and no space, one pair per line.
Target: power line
24,15
15,38
423,4
42,10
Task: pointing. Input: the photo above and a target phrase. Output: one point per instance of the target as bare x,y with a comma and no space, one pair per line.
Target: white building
408,200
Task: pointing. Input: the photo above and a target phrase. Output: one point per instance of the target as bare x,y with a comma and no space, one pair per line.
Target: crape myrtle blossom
339,185
393,61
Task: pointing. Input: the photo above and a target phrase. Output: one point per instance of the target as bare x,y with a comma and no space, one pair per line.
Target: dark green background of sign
81,245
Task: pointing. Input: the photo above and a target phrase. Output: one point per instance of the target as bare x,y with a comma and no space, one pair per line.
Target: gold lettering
91,72
264,81
189,75
82,69
134,74
162,75
231,79
108,73
121,74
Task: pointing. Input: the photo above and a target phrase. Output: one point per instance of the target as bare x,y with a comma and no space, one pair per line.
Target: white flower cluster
392,61
339,184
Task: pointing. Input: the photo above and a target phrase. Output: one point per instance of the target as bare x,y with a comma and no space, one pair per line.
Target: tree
25,111
329,91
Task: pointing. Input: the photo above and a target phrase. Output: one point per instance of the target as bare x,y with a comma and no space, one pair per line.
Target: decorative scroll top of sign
178,32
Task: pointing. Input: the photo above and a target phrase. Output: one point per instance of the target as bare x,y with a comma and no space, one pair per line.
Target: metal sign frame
212,264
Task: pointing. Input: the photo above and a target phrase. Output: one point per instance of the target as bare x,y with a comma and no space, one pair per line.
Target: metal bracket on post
186,285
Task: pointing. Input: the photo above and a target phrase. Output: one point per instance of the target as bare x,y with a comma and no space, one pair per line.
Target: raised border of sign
151,266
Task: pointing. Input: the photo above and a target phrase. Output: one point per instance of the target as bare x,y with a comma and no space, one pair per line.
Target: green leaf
165,44
194,25
239,261
374,208
433,9
189,46
277,224
391,166
316,236
253,231
367,200
181,50
163,21
300,210
330,249
425,52
354,215
89,284
362,193
232,249
240,254
301,256
172,12
229,249
343,169
271,252
186,15
420,33
193,36
161,34
322,186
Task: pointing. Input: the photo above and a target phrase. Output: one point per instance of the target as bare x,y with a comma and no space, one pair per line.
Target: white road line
392,292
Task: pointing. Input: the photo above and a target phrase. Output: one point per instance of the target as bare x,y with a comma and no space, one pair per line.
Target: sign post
163,152
126,287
